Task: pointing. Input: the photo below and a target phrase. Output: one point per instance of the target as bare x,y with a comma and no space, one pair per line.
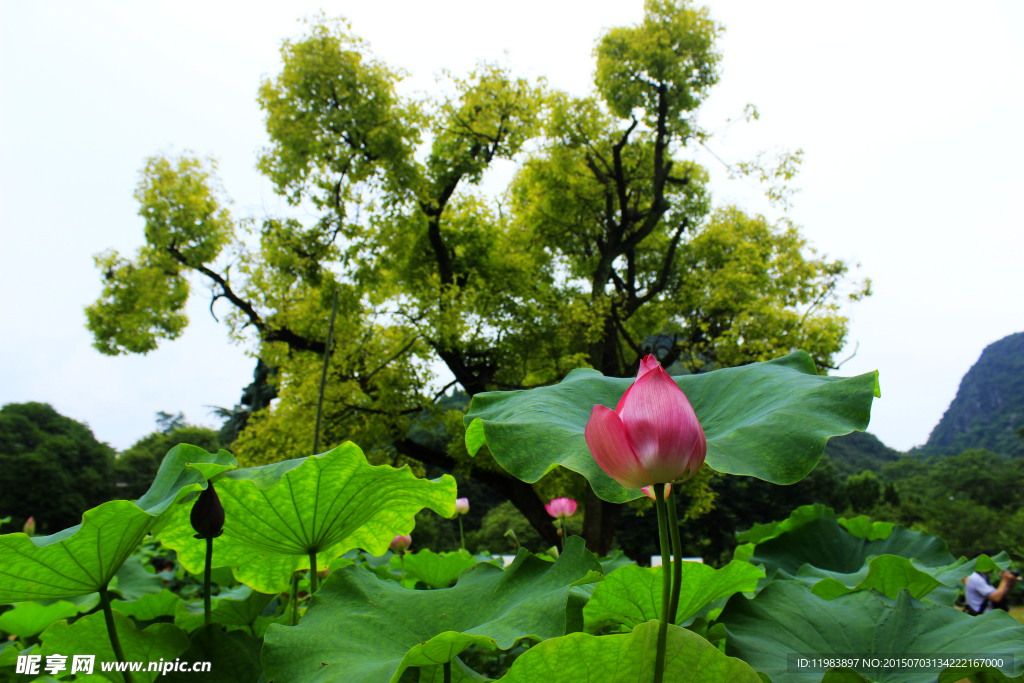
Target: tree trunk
600,519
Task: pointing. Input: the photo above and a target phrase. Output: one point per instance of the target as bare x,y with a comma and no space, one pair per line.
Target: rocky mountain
988,409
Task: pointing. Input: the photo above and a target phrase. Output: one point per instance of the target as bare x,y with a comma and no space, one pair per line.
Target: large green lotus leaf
843,675
9,658
863,527
150,607
234,658
29,618
579,596
628,658
437,571
84,558
759,533
768,420
275,515
631,595
824,544
84,603
133,581
89,635
270,573
460,673
888,574
359,628
190,616
235,608
182,466
8,652
975,675
786,618
614,561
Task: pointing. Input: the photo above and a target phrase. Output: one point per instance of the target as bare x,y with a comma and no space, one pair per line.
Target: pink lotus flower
649,491
652,437
401,544
461,506
30,527
560,508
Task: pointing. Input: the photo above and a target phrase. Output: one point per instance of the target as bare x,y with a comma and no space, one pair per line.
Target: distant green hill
989,406
858,451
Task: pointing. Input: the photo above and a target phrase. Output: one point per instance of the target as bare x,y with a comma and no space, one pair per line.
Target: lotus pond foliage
308,570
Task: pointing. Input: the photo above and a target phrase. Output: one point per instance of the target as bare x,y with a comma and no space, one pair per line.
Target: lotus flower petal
606,436
662,427
649,491
646,365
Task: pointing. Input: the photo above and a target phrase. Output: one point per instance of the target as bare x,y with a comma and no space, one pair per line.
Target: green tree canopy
606,239
52,468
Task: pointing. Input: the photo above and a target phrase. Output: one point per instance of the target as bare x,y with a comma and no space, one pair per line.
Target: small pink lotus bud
652,437
401,544
560,508
30,526
649,491
461,506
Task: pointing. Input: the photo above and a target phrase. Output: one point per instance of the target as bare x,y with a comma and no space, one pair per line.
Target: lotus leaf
84,558
631,595
786,618
361,629
769,420
628,658
330,503
88,635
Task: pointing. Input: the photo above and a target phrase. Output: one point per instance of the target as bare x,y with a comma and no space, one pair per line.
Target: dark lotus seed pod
207,515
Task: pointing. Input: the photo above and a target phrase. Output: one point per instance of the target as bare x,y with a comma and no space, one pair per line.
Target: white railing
656,560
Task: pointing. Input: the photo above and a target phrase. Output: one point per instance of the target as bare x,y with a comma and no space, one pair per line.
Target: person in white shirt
981,596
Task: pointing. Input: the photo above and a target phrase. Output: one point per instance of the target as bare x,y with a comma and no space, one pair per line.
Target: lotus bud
649,491
653,435
560,508
207,515
30,526
401,544
461,506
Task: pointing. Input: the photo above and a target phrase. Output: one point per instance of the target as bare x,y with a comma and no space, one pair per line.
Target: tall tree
51,467
606,238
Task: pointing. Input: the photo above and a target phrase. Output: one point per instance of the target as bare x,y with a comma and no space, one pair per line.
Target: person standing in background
981,596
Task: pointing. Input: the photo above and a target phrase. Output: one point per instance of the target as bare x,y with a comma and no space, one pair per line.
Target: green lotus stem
462,536
323,375
108,614
447,668
401,560
561,525
207,573
677,559
314,580
666,587
295,599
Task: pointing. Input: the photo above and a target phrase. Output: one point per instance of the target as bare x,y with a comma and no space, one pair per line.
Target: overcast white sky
909,114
